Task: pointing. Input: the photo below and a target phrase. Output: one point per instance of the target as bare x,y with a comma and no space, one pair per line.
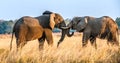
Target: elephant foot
84,45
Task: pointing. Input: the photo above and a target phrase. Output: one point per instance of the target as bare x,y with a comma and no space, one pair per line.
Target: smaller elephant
103,27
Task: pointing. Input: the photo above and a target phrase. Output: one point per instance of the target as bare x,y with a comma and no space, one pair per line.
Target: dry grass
70,51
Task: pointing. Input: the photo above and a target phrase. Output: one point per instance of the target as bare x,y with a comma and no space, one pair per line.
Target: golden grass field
69,51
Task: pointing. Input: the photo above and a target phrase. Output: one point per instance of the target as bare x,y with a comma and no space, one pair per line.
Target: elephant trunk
70,26
65,30
69,34
62,36
62,26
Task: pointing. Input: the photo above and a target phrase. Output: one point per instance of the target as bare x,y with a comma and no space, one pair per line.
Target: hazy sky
14,9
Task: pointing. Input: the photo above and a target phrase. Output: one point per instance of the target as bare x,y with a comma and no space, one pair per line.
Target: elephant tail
11,41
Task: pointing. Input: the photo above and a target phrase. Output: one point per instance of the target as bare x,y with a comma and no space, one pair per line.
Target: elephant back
44,21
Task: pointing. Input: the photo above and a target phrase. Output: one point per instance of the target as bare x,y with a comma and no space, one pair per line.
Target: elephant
30,28
103,27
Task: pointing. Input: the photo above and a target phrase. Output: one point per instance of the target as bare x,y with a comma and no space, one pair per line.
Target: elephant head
56,20
60,23
78,24
74,22
82,24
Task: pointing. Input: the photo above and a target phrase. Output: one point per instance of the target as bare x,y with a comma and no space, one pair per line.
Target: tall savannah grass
70,51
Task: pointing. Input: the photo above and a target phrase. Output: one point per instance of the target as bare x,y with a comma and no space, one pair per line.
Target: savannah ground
69,51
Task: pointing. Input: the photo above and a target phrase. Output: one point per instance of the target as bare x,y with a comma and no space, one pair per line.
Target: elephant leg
20,44
21,40
110,40
62,37
115,38
85,39
49,37
41,41
21,36
93,42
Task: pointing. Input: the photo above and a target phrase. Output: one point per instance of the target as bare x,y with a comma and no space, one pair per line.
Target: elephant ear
52,22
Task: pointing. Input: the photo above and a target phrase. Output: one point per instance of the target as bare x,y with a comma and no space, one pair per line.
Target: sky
14,9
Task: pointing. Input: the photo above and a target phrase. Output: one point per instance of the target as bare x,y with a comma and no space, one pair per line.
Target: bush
6,27
118,21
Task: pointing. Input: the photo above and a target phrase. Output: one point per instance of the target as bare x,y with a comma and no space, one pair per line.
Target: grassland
70,51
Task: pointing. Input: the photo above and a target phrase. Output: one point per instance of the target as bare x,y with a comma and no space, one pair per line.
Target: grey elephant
30,28
104,28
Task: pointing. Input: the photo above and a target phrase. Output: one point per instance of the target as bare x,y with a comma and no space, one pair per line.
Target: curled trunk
69,34
65,30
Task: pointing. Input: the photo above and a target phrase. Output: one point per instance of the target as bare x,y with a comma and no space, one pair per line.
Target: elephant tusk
64,27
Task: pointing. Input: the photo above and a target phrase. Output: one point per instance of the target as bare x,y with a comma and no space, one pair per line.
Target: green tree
118,21
6,26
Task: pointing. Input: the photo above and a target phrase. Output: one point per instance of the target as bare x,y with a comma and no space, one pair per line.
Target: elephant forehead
76,18
31,21
58,17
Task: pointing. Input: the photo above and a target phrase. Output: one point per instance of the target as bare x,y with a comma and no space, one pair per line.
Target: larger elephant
103,27
30,28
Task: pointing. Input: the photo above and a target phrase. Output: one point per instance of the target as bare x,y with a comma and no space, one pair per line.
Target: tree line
118,21
6,26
